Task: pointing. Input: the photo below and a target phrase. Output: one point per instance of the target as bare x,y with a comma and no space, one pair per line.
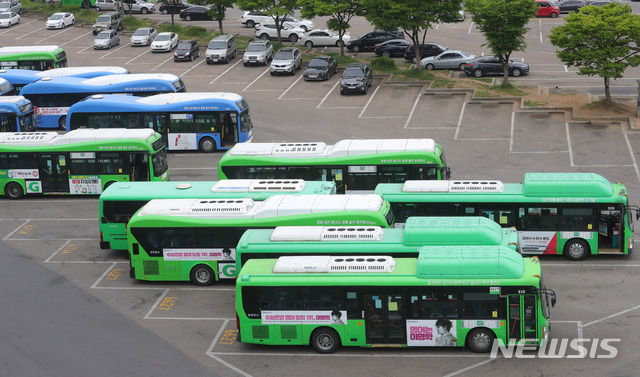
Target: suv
288,31
110,20
428,49
357,77
186,50
286,60
369,41
11,6
258,52
251,19
221,49
547,9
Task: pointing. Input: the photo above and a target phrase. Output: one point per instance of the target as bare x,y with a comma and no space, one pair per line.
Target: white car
287,32
7,19
166,41
60,20
251,19
305,25
323,37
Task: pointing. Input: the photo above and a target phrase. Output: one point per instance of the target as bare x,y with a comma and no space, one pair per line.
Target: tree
601,41
341,12
274,8
129,5
217,9
414,17
504,25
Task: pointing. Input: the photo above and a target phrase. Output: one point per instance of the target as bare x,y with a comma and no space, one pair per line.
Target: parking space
436,110
496,124
312,90
391,101
529,125
587,139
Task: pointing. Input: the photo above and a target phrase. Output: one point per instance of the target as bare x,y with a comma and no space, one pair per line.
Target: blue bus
16,114
53,96
21,77
207,121
6,88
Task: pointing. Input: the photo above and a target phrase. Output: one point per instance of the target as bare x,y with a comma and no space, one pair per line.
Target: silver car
450,59
286,60
106,39
258,52
143,36
140,6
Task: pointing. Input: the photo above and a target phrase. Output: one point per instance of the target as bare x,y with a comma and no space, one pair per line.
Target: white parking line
57,251
15,230
290,86
136,57
190,69
368,102
469,368
327,95
464,105
633,157
225,71
256,79
20,26
74,39
112,51
157,66
54,35
413,108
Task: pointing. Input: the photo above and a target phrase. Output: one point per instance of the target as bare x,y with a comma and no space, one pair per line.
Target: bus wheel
325,340
62,122
207,145
480,340
202,275
108,184
13,191
576,250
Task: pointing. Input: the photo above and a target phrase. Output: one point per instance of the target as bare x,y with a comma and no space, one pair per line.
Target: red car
547,9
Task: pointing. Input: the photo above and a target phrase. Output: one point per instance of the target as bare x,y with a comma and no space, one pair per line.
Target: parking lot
495,139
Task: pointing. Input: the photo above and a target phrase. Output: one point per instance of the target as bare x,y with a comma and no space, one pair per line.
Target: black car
173,7
320,68
490,65
357,77
369,41
392,48
428,49
195,13
567,6
186,50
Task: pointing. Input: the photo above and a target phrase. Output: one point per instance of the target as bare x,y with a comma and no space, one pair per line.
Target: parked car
106,39
392,48
568,6
357,77
106,21
140,6
320,68
172,7
323,37
305,25
258,52
597,3
288,32
105,5
221,49
8,19
286,60
368,41
195,13
60,20
490,65
450,59
547,9
11,6
165,41
186,50
143,36
251,19
428,49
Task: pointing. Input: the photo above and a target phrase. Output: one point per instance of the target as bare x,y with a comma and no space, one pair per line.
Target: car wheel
245,64
303,28
190,58
477,73
187,17
272,73
386,54
356,49
251,24
308,44
97,9
164,11
365,89
430,67
554,15
516,72
144,10
293,38
339,43
461,66
264,37
73,22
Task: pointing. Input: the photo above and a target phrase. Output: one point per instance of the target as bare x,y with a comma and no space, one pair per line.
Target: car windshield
56,17
218,45
162,37
353,72
104,19
5,5
184,46
140,32
283,55
256,48
317,63
103,36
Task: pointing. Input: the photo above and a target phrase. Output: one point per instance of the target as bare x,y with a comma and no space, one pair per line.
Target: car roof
287,49
166,33
357,65
260,42
322,57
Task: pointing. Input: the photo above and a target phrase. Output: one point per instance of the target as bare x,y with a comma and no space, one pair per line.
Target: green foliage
383,64
190,32
341,59
132,23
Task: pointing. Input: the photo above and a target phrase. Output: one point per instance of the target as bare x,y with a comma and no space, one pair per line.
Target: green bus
356,166
80,162
372,240
449,296
37,58
195,239
575,214
122,199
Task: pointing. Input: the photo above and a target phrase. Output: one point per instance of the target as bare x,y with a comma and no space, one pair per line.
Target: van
109,20
221,49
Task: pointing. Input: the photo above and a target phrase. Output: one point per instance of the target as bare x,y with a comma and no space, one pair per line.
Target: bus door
332,174
8,122
522,317
385,319
139,167
610,229
54,172
229,132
